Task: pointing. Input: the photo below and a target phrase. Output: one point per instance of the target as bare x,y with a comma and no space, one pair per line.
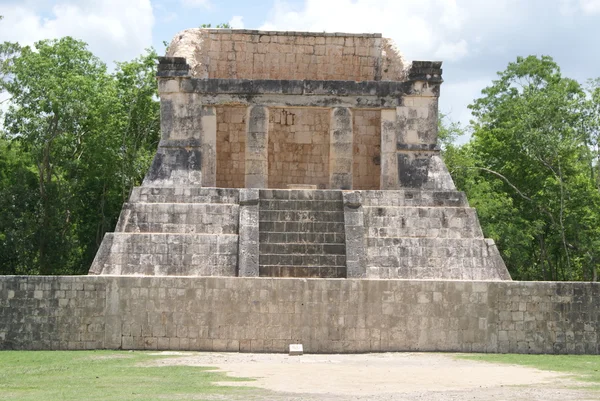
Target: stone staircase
427,235
301,234
173,231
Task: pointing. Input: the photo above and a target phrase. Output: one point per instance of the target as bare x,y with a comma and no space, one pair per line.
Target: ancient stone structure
304,155
325,315
289,154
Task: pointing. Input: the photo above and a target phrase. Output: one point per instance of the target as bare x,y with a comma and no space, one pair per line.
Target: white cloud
196,3
590,6
113,29
421,28
571,7
451,51
237,22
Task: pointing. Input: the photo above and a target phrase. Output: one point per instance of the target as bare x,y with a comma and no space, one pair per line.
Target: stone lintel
253,87
172,67
429,71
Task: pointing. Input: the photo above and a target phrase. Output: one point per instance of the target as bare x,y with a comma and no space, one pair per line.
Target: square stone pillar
257,147
178,160
340,148
389,159
417,139
354,228
248,244
209,146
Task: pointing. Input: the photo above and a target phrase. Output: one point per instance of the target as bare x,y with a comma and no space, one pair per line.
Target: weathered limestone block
389,161
355,235
249,233
209,146
341,151
257,140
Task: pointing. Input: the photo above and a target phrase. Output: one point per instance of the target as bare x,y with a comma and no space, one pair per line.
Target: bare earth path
387,376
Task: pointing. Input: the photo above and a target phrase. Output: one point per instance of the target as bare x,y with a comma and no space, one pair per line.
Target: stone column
248,244
417,139
340,148
419,164
209,146
257,147
389,159
178,160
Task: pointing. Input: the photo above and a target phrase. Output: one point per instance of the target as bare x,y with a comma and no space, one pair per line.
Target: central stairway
301,234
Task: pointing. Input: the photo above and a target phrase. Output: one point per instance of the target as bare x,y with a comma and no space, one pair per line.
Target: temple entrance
298,148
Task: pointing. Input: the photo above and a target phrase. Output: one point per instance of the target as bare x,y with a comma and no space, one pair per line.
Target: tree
86,135
527,169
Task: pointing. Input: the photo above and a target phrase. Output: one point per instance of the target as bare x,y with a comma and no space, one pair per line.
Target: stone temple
297,154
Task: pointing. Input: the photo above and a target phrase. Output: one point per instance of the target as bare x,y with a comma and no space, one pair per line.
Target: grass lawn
105,375
581,367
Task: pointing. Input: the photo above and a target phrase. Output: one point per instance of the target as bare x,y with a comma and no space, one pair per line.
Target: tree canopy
531,170
76,139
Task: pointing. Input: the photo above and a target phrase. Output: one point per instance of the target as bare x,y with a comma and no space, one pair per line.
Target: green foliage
531,172
77,139
223,25
107,375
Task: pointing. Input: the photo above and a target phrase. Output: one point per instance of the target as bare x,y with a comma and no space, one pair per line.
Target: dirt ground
387,376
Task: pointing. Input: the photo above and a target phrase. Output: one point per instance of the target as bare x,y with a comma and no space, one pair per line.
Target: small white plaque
296,349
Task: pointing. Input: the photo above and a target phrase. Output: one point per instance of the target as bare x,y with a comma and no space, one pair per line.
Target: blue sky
474,38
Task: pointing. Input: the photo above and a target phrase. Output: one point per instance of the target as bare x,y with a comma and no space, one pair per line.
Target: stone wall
326,315
247,54
367,149
298,147
231,146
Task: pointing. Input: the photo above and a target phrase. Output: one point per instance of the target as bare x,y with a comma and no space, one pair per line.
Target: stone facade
325,315
336,135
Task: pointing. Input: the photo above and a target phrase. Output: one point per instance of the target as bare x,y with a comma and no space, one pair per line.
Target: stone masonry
325,315
297,154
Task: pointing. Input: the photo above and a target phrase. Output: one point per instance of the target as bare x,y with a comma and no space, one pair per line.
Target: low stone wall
326,315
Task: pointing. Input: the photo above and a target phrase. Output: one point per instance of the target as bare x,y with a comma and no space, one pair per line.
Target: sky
474,38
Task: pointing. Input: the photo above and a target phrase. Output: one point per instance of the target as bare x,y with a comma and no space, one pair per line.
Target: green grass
581,367
106,375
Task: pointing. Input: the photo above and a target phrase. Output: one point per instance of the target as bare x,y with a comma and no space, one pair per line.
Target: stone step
414,198
422,222
201,218
300,194
301,215
300,271
305,226
301,205
302,249
423,232
184,194
302,237
428,247
167,254
302,260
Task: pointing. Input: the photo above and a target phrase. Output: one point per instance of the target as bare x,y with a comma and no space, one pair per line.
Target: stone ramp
173,231
301,234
